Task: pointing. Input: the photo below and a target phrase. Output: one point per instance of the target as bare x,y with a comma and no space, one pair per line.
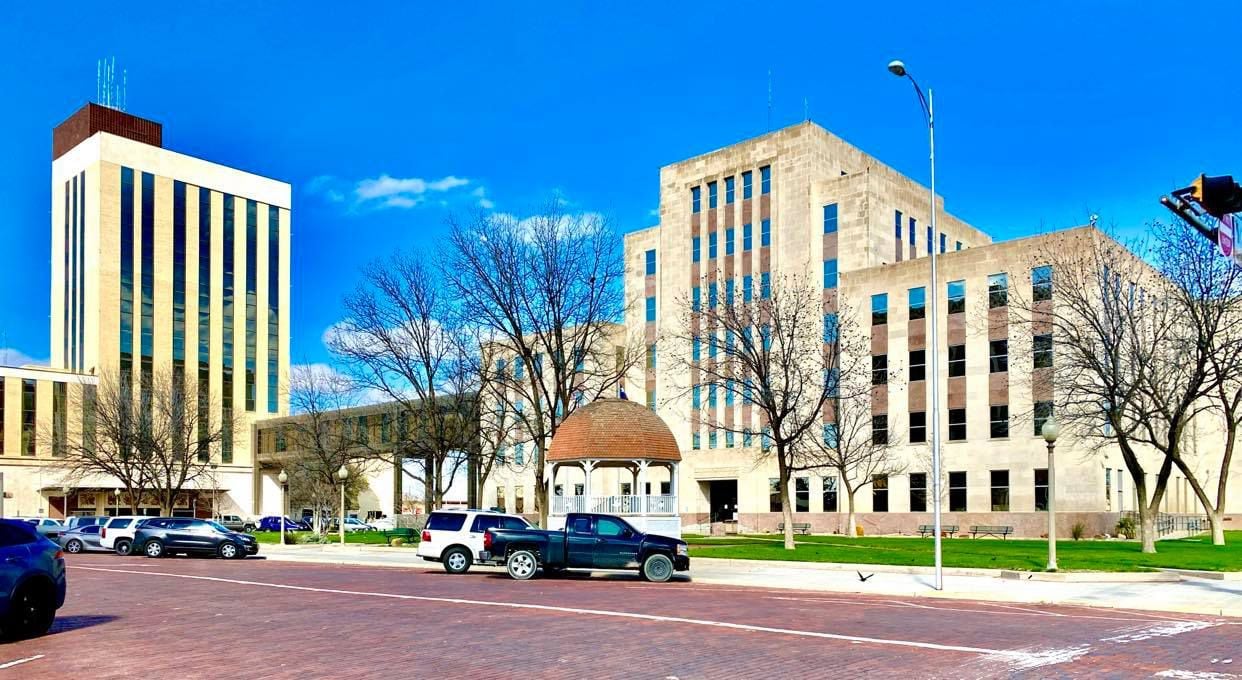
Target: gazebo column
672,485
641,486
587,467
549,476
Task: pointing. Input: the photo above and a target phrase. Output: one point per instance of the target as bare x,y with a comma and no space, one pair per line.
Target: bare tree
180,436
1206,297
324,437
404,337
774,351
546,291
109,440
1100,332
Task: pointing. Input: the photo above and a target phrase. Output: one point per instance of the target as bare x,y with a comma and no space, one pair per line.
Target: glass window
729,433
484,522
1041,283
696,440
1042,350
748,288
879,493
711,246
918,364
910,233
1041,489
918,303
957,361
747,237
998,290
728,190
696,248
696,199
696,351
1043,411
830,218
957,492
711,195
918,492
998,356
1000,421
445,521
651,262
957,297
879,369
580,526
830,273
831,328
651,310
1000,491
918,427
942,243
897,225
957,246
607,526
929,240
879,309
957,424
28,417
729,234
774,494
830,494
696,299
651,356
712,299
765,233
746,184
765,179
802,494
879,430
831,439
765,285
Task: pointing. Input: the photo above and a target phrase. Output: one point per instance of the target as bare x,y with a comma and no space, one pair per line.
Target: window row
919,491
765,187
998,294
912,232
730,241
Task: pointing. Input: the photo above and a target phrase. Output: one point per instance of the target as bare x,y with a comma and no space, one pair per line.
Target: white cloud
386,191
484,202
10,356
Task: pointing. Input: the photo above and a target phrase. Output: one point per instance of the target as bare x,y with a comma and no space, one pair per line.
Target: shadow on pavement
64,624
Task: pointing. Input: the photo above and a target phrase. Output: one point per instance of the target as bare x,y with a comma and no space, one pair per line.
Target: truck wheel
456,560
658,568
123,547
522,565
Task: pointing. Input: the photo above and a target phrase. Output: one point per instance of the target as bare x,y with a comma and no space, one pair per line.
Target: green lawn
986,553
364,537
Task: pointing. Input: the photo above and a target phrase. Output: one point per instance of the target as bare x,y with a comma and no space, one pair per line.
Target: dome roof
613,429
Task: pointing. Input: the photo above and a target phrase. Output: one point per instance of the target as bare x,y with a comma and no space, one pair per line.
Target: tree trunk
851,526
1215,520
1147,529
541,486
786,509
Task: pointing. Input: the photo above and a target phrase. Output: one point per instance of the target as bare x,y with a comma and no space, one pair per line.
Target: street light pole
284,504
898,69
342,475
1050,431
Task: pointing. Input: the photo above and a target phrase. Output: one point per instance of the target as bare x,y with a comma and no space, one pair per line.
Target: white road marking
1194,675
18,662
897,604
1021,659
1159,630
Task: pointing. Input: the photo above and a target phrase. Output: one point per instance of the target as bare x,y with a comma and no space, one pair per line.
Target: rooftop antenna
806,108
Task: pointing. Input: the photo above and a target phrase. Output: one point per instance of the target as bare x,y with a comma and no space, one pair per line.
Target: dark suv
169,535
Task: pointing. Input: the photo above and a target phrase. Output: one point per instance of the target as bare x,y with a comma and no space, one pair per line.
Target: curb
1093,576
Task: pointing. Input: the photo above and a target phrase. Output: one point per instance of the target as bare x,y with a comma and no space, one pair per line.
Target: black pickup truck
589,541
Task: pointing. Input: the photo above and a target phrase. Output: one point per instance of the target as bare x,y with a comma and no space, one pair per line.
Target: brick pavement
192,618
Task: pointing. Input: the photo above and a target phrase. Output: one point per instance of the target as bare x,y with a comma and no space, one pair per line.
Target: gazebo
606,439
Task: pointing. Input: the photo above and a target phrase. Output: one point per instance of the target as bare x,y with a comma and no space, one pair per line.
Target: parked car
45,525
273,524
236,523
118,533
81,539
32,580
84,520
454,538
351,524
589,541
170,535
383,524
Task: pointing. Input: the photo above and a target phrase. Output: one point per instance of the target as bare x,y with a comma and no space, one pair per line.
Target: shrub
1078,531
1125,525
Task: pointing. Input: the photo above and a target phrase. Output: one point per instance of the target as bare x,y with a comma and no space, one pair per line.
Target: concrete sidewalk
1167,592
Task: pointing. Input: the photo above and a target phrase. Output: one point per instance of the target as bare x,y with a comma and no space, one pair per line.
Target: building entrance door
722,495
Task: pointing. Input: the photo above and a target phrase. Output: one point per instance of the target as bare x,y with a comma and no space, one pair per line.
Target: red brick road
197,618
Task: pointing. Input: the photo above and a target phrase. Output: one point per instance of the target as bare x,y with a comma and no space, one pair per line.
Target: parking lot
189,618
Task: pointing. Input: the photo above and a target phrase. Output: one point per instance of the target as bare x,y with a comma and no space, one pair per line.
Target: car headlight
683,549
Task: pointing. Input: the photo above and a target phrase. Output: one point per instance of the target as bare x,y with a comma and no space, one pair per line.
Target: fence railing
1170,523
615,505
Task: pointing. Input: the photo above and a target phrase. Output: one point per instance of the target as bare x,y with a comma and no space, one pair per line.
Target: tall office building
168,265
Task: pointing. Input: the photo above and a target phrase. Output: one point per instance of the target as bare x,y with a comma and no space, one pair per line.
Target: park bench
926,530
404,534
988,530
798,527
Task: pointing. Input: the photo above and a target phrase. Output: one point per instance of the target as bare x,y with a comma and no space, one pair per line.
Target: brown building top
613,429
94,118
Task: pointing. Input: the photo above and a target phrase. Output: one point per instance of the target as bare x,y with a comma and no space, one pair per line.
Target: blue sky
1046,111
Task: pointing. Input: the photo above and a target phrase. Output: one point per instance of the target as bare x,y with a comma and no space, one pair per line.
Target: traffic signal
1218,196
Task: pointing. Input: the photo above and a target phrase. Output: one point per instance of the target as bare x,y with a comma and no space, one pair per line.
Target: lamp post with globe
284,504
1050,430
342,475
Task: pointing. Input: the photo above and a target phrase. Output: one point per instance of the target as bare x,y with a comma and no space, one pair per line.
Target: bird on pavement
863,578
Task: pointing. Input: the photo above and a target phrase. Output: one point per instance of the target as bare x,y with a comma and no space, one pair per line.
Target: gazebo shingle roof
613,429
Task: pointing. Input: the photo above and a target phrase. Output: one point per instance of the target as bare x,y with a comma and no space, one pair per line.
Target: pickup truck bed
589,541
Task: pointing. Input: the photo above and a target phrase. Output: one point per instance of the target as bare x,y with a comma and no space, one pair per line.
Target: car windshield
218,527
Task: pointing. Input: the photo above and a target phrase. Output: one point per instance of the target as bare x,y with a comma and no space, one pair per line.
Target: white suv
118,533
454,538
